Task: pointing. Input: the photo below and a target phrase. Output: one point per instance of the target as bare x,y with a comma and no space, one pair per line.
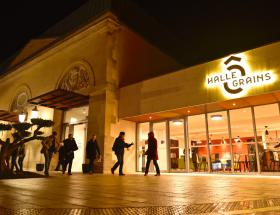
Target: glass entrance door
159,129
79,132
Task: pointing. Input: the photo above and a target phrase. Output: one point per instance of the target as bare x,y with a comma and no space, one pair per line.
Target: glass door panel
177,145
268,135
198,160
80,137
243,140
159,129
219,143
143,130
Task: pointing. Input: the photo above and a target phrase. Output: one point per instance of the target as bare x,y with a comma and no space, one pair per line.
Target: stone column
58,123
102,113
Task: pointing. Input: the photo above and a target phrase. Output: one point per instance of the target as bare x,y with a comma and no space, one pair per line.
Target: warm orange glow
236,77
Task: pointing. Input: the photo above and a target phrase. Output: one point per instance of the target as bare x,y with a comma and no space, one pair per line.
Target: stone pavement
136,194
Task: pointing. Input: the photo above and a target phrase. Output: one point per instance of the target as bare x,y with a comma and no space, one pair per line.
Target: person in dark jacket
91,151
61,158
118,148
21,156
70,146
14,160
152,153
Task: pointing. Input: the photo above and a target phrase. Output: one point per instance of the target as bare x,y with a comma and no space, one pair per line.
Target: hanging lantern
21,117
35,113
266,131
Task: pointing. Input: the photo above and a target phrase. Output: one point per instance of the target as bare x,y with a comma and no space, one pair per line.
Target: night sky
205,30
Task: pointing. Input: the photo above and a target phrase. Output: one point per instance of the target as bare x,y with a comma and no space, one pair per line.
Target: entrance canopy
60,99
209,107
8,116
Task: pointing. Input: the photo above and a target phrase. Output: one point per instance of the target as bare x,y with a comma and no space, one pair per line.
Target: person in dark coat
92,150
14,160
61,158
21,156
118,148
70,146
152,153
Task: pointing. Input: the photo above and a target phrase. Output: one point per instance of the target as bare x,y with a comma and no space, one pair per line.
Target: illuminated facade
220,116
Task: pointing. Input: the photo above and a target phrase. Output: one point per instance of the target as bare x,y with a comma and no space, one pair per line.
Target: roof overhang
60,99
8,116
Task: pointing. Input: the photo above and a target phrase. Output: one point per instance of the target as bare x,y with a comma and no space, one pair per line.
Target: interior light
177,122
150,117
73,120
21,117
189,111
35,113
216,117
233,104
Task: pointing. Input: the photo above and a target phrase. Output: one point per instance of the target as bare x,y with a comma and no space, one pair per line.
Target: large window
219,142
268,135
243,140
240,140
177,145
198,160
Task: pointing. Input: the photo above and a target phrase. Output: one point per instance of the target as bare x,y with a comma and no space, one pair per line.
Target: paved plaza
136,194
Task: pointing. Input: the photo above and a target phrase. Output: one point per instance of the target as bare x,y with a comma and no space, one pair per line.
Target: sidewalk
180,193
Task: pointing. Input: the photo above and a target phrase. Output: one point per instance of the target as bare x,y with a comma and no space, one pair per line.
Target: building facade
220,116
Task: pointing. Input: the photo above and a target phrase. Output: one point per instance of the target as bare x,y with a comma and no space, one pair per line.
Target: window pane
268,132
219,141
243,140
177,145
197,143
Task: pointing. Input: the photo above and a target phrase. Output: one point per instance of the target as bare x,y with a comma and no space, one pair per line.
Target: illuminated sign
237,78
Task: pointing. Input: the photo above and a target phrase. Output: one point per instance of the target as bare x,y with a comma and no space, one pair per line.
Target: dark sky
206,29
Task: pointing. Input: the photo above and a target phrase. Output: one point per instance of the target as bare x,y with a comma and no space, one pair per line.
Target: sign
236,78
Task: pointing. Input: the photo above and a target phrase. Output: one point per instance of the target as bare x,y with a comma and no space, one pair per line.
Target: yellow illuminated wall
187,87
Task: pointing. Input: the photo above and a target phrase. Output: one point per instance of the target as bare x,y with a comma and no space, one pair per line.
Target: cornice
107,22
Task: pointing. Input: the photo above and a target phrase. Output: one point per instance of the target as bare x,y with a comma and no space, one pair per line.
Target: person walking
118,148
49,147
92,149
152,153
61,158
14,161
70,146
21,156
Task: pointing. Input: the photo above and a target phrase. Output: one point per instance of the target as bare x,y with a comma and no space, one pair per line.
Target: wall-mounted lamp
35,113
21,117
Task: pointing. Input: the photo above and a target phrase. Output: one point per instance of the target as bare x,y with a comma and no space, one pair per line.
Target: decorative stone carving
76,78
20,100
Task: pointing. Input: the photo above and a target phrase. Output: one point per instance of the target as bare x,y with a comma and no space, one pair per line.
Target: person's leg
50,158
115,165
147,166
57,168
70,167
91,165
64,165
46,155
157,167
20,163
121,165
